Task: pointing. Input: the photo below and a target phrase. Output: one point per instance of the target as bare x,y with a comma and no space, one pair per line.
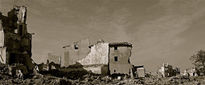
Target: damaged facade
101,57
190,72
15,41
139,71
119,58
76,51
94,58
168,71
54,58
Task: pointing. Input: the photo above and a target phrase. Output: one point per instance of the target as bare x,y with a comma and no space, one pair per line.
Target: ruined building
101,57
190,72
54,58
168,71
119,58
93,57
139,71
15,41
76,51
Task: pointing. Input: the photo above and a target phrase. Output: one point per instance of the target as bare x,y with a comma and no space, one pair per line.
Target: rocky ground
89,79
97,80
176,80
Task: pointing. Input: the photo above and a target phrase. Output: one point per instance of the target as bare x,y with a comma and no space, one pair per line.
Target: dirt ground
98,80
90,79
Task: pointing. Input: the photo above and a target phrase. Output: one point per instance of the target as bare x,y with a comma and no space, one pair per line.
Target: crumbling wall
98,55
139,71
2,48
76,51
97,69
190,72
167,71
21,14
93,58
3,55
54,58
97,59
1,35
16,38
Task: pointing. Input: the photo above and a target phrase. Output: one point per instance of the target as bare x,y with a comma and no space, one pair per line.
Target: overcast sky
168,31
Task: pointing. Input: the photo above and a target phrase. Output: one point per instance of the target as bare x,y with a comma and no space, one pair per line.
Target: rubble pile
90,79
11,79
44,80
106,80
39,79
67,74
175,80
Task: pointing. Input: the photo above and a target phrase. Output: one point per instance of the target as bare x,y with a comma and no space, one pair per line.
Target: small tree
199,61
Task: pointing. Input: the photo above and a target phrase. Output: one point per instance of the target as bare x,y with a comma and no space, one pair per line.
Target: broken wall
97,69
76,51
141,72
167,70
98,55
3,55
1,35
54,58
21,14
2,48
93,58
15,37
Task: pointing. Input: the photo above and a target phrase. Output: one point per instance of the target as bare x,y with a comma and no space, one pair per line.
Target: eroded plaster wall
54,58
3,55
2,48
97,60
76,51
65,59
1,35
98,55
122,64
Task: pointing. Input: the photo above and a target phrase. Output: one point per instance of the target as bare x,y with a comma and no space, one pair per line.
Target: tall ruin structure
15,42
119,58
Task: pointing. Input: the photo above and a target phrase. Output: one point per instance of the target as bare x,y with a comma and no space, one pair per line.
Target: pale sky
168,31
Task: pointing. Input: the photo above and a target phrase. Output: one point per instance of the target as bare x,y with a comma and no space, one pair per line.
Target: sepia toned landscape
102,42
